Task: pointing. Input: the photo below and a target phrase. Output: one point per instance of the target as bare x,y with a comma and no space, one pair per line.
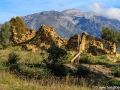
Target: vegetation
55,60
51,68
117,71
20,26
13,58
110,35
5,35
27,67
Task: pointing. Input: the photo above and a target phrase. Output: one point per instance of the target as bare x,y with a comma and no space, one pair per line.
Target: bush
84,58
117,71
13,58
55,60
82,71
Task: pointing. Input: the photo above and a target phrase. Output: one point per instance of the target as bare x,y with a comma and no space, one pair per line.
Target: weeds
13,58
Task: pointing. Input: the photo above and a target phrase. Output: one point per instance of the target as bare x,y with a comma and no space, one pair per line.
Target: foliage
110,35
13,58
2,65
56,55
82,71
55,60
117,71
5,35
14,48
84,58
20,26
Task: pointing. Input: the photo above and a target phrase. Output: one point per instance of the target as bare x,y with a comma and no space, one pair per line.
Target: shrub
117,71
55,60
84,58
13,58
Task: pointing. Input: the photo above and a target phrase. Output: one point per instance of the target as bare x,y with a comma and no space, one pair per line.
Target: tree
20,26
5,34
110,35
55,60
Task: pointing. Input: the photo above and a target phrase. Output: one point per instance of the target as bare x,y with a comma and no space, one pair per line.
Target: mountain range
70,22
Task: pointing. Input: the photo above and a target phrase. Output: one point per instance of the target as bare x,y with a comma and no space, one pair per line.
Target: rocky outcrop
90,44
28,35
96,46
73,43
45,36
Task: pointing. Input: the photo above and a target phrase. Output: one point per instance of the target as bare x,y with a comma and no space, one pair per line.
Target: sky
13,8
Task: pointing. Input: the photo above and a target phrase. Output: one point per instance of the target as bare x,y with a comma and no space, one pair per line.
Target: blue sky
13,8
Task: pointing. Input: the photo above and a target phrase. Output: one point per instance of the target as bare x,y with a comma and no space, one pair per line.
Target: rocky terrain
70,22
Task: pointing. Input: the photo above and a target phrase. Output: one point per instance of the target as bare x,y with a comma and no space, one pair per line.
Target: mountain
70,22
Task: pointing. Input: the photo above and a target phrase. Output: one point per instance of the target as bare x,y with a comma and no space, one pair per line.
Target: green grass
100,60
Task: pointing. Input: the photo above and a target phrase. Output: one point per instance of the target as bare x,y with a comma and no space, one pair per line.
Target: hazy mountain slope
63,24
71,21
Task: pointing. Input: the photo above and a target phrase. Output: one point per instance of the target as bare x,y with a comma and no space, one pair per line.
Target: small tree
5,35
55,60
20,26
110,35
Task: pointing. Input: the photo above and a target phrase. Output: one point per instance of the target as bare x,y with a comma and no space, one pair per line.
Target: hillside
30,72
70,22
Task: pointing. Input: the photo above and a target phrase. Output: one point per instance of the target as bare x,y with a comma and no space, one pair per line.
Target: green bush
55,60
13,58
85,58
117,71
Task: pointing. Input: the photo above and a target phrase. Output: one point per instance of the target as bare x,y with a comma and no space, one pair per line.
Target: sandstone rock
46,35
24,37
90,44
74,43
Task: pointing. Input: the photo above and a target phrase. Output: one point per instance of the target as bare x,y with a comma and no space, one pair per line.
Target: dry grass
11,82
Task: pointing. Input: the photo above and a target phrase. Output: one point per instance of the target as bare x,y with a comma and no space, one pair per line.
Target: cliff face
90,44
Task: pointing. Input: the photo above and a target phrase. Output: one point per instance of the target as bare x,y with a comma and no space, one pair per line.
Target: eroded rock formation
91,44
45,36
74,43
24,37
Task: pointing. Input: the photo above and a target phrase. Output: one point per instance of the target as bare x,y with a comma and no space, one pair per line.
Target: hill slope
70,22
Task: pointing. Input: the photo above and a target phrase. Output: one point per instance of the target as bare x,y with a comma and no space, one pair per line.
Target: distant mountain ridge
70,22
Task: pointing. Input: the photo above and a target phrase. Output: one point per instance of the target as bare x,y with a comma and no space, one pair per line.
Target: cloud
99,9
61,5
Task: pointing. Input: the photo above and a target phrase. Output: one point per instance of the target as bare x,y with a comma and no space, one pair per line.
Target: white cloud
99,9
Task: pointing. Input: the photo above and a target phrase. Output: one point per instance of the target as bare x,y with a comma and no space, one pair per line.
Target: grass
12,82
30,65
98,60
